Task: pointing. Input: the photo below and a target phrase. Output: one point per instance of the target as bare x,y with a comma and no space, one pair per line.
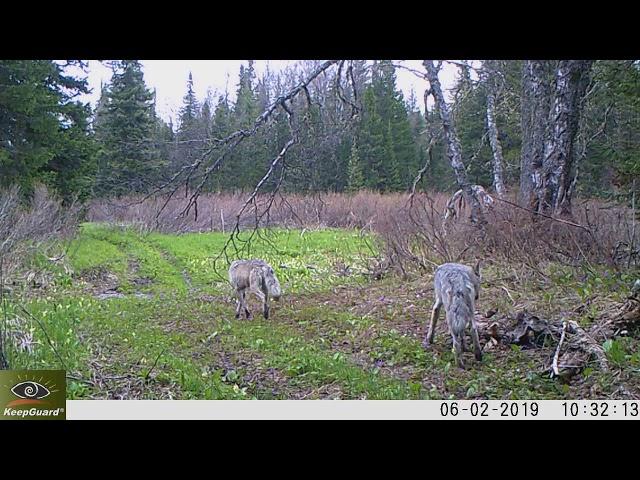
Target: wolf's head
271,282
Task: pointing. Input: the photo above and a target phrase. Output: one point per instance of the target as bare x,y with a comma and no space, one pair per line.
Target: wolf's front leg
247,313
435,313
263,298
239,305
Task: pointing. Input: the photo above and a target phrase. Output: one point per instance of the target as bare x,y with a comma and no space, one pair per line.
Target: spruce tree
609,165
44,130
392,169
73,167
371,146
206,116
164,145
392,110
248,159
129,162
419,136
189,134
356,176
471,125
189,111
221,126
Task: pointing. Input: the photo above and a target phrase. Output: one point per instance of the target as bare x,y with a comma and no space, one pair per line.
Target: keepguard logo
33,395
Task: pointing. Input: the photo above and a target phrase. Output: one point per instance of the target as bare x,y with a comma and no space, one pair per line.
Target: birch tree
492,127
454,150
551,106
571,80
535,113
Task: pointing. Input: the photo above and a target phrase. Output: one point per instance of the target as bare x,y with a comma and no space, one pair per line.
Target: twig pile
576,346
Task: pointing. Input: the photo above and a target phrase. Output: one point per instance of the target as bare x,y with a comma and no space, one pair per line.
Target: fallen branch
81,380
556,372
146,377
544,215
585,342
513,302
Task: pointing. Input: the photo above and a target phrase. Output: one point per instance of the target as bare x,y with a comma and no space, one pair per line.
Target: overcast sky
169,78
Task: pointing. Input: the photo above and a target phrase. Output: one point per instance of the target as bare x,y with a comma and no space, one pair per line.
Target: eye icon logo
33,394
30,390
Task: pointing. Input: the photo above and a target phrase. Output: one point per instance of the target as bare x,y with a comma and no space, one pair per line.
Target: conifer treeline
379,149
124,147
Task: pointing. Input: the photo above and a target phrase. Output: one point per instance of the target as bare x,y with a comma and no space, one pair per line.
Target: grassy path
166,329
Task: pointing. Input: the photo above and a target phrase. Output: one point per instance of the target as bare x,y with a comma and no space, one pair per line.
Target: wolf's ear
476,269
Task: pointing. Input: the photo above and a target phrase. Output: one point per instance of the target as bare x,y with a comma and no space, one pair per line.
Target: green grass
303,261
97,247
331,336
120,252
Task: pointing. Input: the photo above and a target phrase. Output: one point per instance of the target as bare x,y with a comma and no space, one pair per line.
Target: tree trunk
535,115
496,147
571,80
454,150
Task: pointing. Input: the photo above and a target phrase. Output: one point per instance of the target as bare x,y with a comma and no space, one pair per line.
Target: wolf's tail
459,310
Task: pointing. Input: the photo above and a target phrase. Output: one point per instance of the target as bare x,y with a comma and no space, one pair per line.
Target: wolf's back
457,285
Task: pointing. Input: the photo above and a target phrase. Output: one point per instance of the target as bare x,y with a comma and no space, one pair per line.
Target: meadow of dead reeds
412,229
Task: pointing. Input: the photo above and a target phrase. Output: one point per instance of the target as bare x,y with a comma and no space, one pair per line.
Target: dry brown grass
27,227
412,230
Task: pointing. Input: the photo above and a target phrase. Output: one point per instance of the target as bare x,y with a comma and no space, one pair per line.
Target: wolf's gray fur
259,278
457,287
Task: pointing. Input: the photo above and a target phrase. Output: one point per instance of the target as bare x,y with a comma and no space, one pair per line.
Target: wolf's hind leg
435,313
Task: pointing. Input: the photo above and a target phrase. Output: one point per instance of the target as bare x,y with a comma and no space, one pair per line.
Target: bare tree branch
233,237
231,141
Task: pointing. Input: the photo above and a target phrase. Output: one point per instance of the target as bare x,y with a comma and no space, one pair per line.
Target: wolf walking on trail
259,278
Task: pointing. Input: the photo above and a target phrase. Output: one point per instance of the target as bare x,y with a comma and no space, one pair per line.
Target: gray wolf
259,278
457,287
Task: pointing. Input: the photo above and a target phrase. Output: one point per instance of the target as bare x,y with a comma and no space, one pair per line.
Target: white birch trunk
494,141
554,194
454,150
535,115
